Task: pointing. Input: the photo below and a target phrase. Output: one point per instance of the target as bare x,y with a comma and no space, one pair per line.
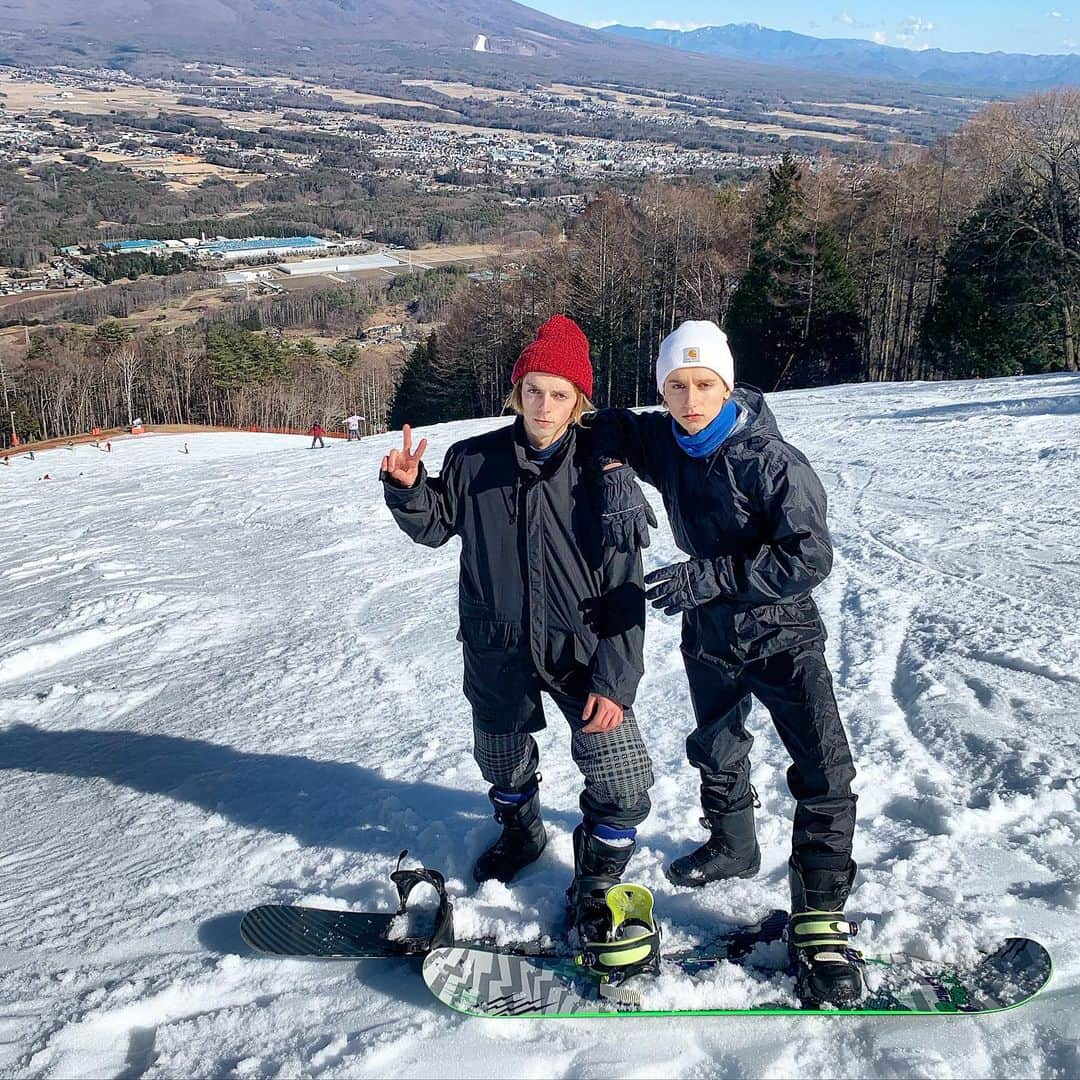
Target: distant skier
317,432
750,512
542,608
352,427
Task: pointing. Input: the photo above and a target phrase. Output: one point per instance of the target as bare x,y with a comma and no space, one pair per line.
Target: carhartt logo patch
690,354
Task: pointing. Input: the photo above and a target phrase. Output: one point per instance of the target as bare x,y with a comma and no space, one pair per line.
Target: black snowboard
323,934
319,933
284,930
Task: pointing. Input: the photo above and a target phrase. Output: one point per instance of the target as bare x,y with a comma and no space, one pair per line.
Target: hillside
498,41
228,678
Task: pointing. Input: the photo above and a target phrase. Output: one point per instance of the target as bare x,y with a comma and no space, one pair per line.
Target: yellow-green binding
634,936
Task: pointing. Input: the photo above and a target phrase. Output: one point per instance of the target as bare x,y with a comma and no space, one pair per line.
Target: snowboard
484,981
318,933
329,934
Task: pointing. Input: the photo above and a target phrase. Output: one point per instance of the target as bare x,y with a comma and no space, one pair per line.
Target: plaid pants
615,764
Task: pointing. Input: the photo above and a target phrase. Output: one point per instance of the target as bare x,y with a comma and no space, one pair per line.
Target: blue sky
1029,26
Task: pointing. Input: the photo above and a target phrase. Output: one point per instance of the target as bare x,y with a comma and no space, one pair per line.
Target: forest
959,260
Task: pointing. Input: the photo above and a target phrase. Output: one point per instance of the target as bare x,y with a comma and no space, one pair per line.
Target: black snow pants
796,688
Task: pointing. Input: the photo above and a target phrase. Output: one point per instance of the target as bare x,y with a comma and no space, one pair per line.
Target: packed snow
227,678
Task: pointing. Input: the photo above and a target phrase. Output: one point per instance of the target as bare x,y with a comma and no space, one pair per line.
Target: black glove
625,514
683,585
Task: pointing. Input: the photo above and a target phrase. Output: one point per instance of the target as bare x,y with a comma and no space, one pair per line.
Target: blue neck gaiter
540,456
708,439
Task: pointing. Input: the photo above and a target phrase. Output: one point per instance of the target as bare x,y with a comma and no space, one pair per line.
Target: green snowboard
482,981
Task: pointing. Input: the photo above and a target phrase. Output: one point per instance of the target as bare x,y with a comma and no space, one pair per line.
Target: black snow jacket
535,579
755,508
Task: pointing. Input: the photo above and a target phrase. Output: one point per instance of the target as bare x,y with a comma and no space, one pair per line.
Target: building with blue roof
257,247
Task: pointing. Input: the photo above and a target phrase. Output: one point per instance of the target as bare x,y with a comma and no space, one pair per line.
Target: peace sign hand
403,466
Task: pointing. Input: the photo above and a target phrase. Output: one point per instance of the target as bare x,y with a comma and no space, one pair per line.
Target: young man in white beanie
748,509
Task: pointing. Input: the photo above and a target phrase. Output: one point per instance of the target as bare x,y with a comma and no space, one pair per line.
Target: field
148,101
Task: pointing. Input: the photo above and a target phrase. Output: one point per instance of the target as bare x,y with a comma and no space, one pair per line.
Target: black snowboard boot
819,938
600,857
730,852
523,837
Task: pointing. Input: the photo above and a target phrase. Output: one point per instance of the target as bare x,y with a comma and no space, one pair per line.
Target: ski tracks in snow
964,726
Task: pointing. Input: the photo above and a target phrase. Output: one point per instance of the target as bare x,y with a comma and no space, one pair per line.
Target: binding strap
407,880
606,957
821,930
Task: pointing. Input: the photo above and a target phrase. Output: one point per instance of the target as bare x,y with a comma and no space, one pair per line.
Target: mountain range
496,41
500,42
998,72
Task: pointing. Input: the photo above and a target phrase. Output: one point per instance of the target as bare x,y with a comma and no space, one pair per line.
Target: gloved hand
625,513
683,585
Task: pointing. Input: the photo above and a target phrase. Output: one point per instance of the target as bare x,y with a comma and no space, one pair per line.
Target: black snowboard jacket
755,508
535,579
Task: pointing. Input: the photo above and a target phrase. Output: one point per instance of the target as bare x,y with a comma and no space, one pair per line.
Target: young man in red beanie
543,607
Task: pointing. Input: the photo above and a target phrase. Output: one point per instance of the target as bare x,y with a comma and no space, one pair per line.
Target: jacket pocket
482,629
771,628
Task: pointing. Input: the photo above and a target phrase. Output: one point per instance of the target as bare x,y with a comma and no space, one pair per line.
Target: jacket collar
536,468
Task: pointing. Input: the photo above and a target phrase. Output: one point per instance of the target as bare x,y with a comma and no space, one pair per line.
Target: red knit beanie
559,348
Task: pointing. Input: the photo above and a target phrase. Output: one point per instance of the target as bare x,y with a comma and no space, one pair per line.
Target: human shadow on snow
320,803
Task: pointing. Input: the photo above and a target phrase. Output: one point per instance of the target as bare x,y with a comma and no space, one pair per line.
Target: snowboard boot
600,857
827,967
523,837
730,852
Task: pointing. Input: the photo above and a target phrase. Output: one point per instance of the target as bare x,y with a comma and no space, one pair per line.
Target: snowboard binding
827,966
631,948
442,933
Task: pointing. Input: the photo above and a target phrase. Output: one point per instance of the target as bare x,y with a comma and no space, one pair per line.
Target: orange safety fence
20,446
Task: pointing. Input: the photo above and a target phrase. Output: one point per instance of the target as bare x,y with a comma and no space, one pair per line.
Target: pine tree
1010,291
418,398
794,320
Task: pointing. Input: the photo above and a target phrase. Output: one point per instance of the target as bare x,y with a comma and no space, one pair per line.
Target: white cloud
1054,15
845,18
880,37
663,24
911,29
1069,43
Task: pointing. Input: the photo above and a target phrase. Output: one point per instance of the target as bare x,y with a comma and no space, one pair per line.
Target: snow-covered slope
227,678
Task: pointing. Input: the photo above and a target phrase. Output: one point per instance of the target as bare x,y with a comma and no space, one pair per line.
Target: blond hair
581,406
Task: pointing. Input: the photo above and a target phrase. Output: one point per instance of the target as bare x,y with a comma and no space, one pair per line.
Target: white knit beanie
695,343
